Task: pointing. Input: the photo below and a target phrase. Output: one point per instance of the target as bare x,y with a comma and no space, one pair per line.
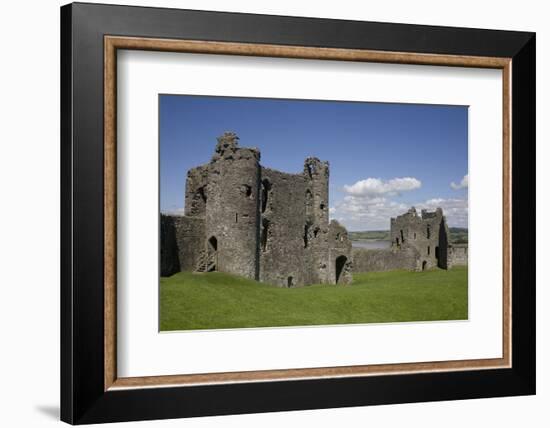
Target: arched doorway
424,263
339,267
212,244
212,254
290,282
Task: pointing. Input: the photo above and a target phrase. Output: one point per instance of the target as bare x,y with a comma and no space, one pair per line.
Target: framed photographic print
266,213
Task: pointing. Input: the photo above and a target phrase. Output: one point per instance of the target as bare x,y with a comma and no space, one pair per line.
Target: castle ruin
271,226
427,233
418,242
245,219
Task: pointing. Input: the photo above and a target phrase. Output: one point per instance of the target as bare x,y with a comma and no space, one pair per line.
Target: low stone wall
182,239
169,263
458,254
376,260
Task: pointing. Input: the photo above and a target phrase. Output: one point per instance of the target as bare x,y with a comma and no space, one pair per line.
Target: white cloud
375,186
462,185
456,210
362,213
366,212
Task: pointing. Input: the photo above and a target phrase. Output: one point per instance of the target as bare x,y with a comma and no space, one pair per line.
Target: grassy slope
216,300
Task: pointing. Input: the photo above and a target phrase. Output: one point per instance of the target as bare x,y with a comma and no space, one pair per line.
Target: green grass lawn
217,300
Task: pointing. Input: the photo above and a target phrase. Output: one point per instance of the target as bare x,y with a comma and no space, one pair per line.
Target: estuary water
370,244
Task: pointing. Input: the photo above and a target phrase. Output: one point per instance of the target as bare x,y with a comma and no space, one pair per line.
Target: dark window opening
396,241
289,282
266,187
316,232
428,250
309,202
340,264
402,238
322,206
201,194
428,232
236,217
414,235
246,190
265,232
437,253
306,234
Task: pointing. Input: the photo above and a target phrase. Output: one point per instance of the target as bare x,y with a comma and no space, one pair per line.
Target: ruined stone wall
340,265
169,263
282,210
182,239
427,232
458,255
294,231
377,260
190,242
196,191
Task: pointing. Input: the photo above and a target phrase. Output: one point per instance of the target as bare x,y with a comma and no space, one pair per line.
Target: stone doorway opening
212,254
339,265
290,282
212,244
424,263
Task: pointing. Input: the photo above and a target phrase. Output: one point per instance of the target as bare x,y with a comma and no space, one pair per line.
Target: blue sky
383,158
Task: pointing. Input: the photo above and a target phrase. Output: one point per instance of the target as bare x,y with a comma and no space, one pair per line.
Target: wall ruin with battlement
427,232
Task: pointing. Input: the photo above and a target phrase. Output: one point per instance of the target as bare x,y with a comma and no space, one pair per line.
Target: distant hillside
459,235
382,235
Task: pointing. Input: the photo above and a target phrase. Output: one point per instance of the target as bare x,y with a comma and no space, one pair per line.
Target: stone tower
427,232
232,208
316,226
